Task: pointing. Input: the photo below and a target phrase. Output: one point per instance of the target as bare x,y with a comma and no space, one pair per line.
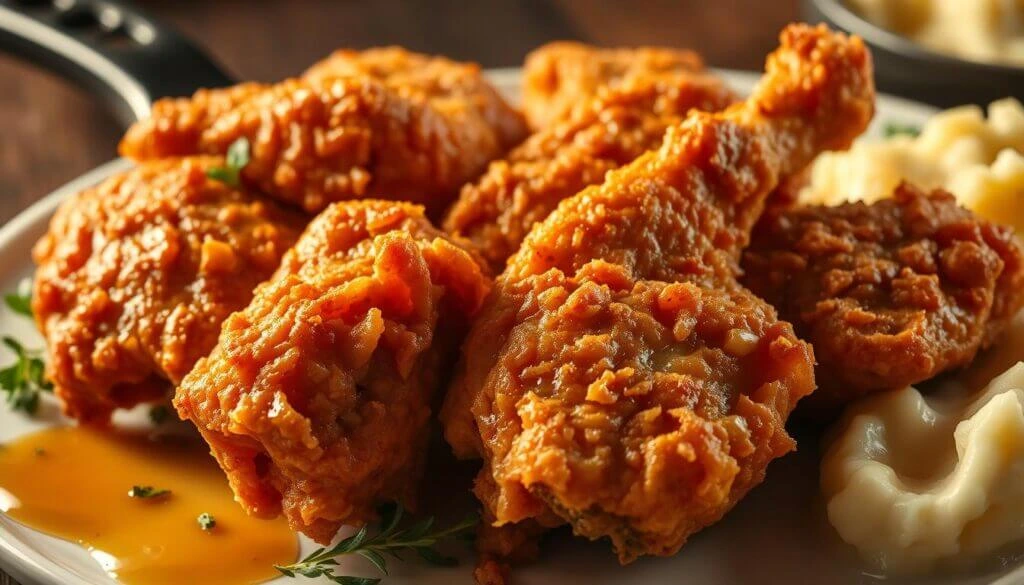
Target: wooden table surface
53,131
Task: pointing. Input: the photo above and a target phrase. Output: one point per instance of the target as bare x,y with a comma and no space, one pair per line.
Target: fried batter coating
135,276
332,138
317,397
560,75
176,126
617,126
889,294
437,77
619,379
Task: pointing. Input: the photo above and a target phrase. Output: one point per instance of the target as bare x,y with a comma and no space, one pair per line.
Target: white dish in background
777,535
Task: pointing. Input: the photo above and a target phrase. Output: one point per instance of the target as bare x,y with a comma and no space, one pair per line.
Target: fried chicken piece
619,379
176,126
135,276
329,138
889,294
560,75
437,77
317,397
617,126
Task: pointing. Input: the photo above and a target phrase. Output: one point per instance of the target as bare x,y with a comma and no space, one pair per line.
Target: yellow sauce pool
74,483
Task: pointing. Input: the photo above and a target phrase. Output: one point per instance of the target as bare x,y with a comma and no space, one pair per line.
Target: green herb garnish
19,303
419,538
147,492
159,414
897,129
237,158
24,380
206,521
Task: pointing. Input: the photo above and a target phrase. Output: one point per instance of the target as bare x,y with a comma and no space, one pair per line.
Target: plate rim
17,558
26,563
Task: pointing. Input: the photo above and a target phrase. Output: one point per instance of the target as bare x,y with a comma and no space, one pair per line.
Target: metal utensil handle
109,47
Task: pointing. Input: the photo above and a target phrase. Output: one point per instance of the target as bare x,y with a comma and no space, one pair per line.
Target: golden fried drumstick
560,75
316,399
329,138
890,294
619,379
497,211
136,275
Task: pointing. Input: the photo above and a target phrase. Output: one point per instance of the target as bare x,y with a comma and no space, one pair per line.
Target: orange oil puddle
73,483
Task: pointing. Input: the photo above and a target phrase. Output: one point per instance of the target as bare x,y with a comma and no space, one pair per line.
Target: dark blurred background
52,131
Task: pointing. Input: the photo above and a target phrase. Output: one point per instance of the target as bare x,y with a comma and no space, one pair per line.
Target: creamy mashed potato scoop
914,482
975,157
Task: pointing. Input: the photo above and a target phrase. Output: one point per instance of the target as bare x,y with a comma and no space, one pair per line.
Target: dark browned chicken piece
317,397
889,294
619,379
329,138
136,275
497,211
559,76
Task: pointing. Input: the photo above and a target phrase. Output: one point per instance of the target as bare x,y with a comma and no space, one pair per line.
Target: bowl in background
906,68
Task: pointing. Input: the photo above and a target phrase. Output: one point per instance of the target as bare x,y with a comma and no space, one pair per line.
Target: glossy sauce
73,483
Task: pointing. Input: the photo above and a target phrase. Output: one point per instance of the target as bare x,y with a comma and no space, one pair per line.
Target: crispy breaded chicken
619,379
561,75
497,211
317,397
135,276
889,294
329,138
435,76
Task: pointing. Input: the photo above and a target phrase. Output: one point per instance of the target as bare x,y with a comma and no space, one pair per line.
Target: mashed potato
979,30
977,159
912,482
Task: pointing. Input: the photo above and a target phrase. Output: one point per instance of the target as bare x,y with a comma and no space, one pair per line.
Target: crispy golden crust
619,378
890,294
611,383
331,138
437,77
135,276
176,126
316,399
620,124
560,75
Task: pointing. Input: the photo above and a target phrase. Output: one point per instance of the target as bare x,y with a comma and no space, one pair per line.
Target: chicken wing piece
558,76
435,76
317,397
617,126
619,379
329,138
889,294
135,276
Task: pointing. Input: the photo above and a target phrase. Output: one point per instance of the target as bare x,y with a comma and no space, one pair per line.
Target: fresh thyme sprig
896,129
24,380
237,158
420,538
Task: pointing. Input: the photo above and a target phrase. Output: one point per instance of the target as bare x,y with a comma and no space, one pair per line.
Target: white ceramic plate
776,535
